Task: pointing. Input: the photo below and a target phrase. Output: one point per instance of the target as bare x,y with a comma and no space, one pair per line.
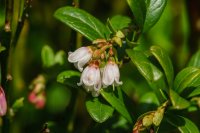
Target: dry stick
6,39
9,39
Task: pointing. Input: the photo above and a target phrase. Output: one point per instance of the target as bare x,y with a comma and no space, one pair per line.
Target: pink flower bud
111,74
3,103
91,79
37,96
38,100
32,96
41,100
80,57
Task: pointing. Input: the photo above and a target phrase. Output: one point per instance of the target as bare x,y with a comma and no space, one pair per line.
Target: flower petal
83,61
108,77
78,54
3,103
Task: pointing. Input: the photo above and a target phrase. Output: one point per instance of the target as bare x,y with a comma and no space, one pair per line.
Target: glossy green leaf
132,80
138,8
195,92
147,69
188,77
159,86
154,9
147,12
177,101
99,111
149,98
60,58
117,104
119,22
183,124
82,22
69,77
195,60
22,4
47,56
164,60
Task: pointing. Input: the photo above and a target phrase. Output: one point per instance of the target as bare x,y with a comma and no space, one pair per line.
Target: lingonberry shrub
110,76
112,46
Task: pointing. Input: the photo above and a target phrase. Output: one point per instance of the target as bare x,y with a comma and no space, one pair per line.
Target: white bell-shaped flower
111,74
91,79
80,57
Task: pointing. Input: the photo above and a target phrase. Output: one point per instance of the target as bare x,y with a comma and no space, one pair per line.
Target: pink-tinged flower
38,100
111,74
37,96
80,57
3,103
91,79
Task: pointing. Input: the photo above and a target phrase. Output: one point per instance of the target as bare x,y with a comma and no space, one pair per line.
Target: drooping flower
80,57
37,99
111,74
3,103
91,79
38,96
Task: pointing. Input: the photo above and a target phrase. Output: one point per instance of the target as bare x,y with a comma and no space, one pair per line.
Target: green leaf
60,58
99,111
18,104
82,22
149,71
22,4
69,77
47,56
138,8
195,60
183,124
177,101
117,104
154,9
195,92
2,48
146,68
165,62
149,98
119,22
147,12
188,77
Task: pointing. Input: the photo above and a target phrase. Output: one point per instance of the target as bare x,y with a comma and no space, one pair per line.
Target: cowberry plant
117,43
114,73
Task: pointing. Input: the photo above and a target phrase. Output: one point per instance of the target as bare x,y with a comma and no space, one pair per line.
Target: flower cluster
101,66
38,96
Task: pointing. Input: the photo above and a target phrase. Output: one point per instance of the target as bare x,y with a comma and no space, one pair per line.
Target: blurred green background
175,32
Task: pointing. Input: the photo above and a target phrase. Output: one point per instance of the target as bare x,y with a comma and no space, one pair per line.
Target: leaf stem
75,3
136,35
78,40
